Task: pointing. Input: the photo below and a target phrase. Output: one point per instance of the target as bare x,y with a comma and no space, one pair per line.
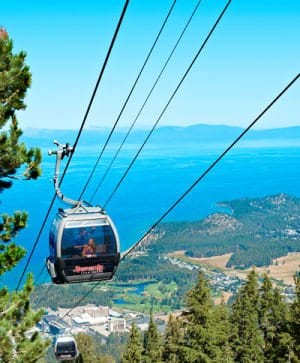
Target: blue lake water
158,178
134,289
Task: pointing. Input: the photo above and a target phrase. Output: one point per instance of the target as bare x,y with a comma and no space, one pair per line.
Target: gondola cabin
84,246
65,348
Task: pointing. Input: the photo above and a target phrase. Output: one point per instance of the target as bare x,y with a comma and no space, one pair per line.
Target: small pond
134,289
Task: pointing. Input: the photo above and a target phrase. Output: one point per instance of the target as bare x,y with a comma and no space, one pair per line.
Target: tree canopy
18,343
260,326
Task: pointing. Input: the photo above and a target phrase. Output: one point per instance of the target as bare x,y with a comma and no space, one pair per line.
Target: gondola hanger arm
61,152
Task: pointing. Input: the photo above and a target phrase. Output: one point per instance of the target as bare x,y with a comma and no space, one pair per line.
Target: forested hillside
143,268
259,327
255,232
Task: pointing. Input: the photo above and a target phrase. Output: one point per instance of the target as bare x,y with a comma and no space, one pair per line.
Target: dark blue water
136,288
158,178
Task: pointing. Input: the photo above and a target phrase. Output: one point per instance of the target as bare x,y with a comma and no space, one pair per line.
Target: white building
97,311
117,325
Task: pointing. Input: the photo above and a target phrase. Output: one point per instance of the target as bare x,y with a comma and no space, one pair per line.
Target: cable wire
197,181
169,101
81,299
77,139
145,102
135,245
127,99
40,273
45,292
219,158
35,244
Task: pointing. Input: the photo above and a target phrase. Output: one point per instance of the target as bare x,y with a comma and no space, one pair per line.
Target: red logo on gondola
88,269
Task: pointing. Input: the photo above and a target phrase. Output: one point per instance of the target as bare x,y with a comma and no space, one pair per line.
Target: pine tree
134,348
247,338
17,318
87,348
173,341
273,320
284,342
200,335
106,359
222,329
15,79
17,344
295,323
152,343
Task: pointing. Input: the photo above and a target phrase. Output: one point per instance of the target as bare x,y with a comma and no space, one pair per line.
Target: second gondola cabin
84,246
65,348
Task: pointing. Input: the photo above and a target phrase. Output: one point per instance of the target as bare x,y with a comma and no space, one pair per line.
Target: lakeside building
97,311
86,319
56,326
93,319
117,325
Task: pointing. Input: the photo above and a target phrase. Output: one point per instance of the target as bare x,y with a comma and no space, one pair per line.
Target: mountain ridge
200,133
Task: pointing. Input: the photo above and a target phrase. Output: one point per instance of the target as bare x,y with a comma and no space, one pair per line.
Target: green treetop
295,322
134,348
221,337
152,343
17,343
247,336
200,334
87,349
15,79
173,341
273,321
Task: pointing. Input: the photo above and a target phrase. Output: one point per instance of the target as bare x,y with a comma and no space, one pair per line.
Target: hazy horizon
147,127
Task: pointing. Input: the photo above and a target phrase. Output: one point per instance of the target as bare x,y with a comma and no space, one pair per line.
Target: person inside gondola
79,242
82,237
87,250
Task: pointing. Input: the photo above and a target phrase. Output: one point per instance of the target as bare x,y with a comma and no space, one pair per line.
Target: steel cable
145,102
126,101
197,181
77,139
169,101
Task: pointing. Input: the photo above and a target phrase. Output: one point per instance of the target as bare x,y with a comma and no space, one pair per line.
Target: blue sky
252,55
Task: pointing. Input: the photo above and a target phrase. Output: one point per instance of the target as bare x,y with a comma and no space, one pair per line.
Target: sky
252,55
